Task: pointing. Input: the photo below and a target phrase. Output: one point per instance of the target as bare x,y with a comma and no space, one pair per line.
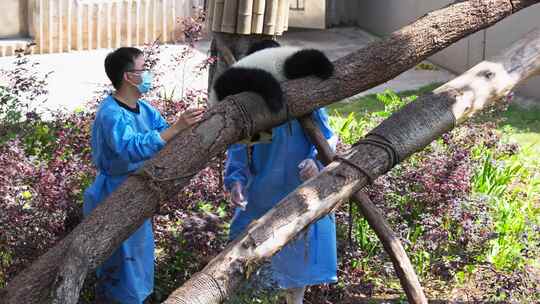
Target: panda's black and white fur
263,69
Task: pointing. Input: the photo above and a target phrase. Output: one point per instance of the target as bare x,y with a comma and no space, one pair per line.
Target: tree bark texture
237,117
402,264
408,131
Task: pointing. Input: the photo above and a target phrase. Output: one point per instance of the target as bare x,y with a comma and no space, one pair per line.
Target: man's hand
188,118
237,196
308,168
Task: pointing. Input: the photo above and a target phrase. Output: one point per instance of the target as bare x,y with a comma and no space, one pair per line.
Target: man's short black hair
120,61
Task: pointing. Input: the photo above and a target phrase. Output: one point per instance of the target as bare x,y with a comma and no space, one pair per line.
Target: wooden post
245,9
270,17
219,7
210,14
228,25
282,15
257,21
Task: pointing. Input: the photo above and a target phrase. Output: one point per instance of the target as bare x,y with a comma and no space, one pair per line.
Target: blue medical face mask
146,82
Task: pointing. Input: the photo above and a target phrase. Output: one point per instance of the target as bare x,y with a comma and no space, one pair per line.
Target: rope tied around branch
153,181
217,285
245,117
203,288
382,143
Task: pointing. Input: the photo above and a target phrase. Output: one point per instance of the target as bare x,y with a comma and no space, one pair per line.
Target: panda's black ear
261,45
308,62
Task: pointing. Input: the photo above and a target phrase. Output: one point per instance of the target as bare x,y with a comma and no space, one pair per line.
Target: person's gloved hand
237,196
308,169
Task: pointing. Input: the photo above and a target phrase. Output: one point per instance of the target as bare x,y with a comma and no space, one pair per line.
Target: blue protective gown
272,174
121,141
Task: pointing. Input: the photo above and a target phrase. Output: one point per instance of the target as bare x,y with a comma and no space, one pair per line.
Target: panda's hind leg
236,80
308,62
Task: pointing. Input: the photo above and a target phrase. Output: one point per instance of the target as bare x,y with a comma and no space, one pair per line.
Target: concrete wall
13,22
382,17
313,15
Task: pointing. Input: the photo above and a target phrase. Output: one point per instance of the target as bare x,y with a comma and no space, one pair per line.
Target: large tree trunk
407,131
137,199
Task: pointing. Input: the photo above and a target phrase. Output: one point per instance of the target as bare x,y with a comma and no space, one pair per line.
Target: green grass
370,103
523,127
512,187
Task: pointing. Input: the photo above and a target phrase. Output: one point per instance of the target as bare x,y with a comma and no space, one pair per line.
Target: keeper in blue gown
126,132
257,185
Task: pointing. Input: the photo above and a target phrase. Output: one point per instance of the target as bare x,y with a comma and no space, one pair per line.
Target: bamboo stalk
118,24
218,15
100,27
41,27
79,32
85,21
137,23
270,17
52,27
61,22
280,23
172,19
94,29
128,21
146,27
257,20
210,14
245,8
164,30
109,21
70,23
286,14
228,24
154,32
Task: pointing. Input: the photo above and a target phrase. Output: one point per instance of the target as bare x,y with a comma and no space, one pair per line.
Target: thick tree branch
70,278
391,243
228,56
409,130
127,208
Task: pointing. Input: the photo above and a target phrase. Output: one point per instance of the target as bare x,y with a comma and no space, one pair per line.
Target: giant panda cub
265,66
